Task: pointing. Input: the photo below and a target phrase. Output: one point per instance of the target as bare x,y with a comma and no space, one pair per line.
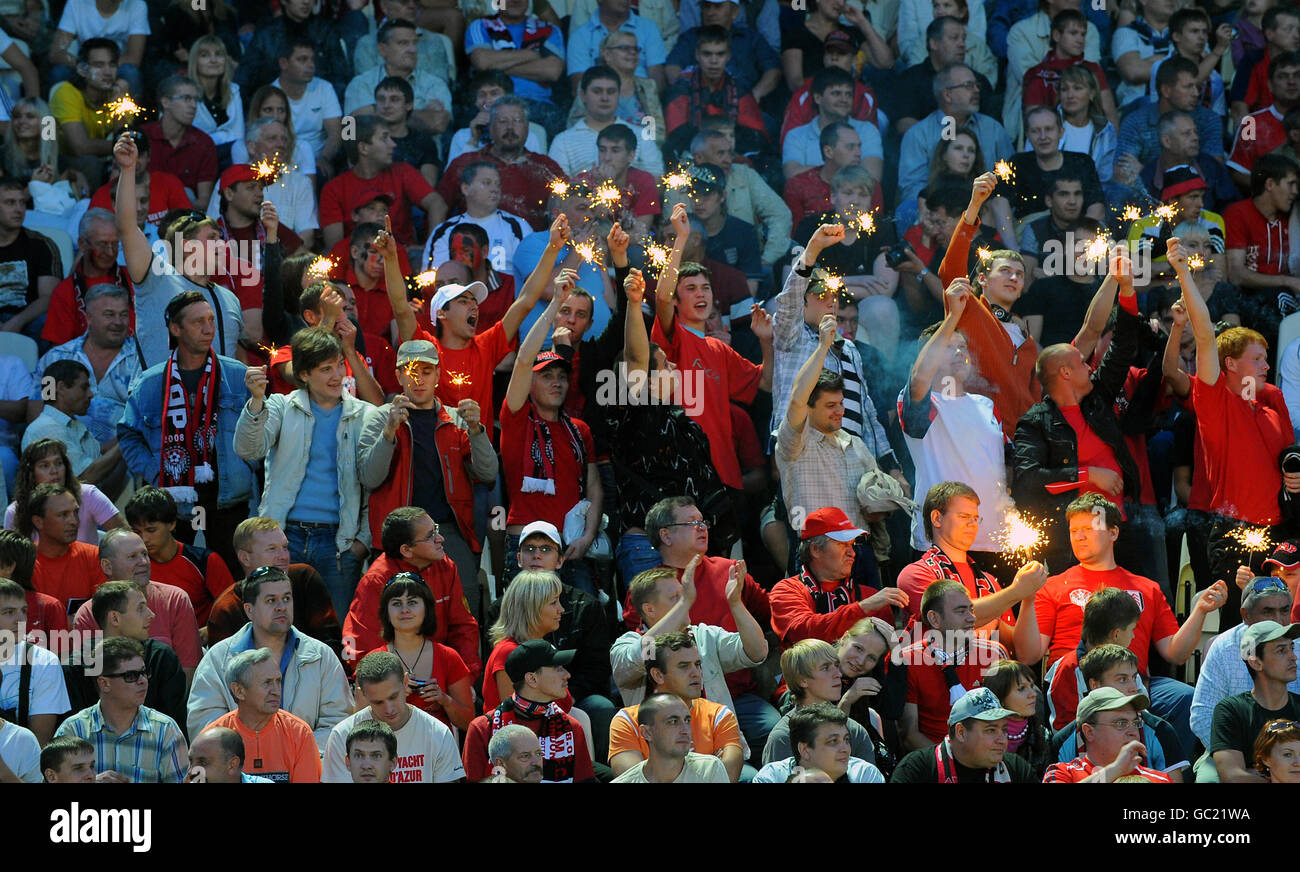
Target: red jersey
1258,94
402,180
1059,607
1063,690
934,565
193,160
1258,134
165,193
1242,442
45,614
202,574
727,377
928,690
466,373
70,579
1081,767
807,193
569,473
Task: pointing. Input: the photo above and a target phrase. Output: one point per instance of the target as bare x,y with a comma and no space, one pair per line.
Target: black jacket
1047,448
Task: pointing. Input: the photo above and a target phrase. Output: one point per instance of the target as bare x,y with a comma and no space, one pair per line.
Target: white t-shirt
698,769
82,20
957,439
504,231
1077,139
48,694
426,751
21,752
575,150
318,103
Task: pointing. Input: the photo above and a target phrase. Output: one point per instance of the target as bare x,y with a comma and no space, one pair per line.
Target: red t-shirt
1258,93
497,663
1267,134
1267,243
71,578
1093,451
401,180
727,377
516,456
927,689
1242,442
66,318
448,668
1081,767
202,579
466,373
46,614
915,577
193,161
374,311
1063,691
165,193
290,242
807,193
1059,607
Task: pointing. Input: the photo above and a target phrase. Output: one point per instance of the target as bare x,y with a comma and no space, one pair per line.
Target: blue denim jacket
140,431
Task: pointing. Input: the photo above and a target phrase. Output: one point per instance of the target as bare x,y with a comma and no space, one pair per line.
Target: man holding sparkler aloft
1071,440
1243,424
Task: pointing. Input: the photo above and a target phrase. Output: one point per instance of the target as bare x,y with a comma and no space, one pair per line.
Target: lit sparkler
677,180
1131,213
1165,213
607,194
866,222
833,283
559,187
267,171
1098,249
658,254
1021,535
412,370
1004,171
458,379
321,268
984,253
1195,262
426,278
1251,539
587,251
269,349
124,107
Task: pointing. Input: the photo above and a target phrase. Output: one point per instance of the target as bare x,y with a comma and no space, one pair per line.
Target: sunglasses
131,676
1283,726
404,576
1260,585
262,572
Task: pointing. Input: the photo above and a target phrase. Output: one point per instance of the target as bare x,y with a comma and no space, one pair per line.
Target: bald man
217,757
1070,441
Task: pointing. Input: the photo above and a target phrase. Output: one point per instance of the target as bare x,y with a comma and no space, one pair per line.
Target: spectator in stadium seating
47,694
397,40
178,147
974,751
499,42
66,569
1110,724
217,757
298,24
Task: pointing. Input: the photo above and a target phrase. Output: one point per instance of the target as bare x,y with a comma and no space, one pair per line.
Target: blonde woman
1085,119
25,150
638,98
530,609
269,101
221,109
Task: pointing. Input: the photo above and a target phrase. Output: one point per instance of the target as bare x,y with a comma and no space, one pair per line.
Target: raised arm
135,248
1094,323
751,634
1171,363
636,342
537,279
932,355
521,376
395,283
1198,314
796,412
666,289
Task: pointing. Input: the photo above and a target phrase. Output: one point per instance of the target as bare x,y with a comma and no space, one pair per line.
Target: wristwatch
925,271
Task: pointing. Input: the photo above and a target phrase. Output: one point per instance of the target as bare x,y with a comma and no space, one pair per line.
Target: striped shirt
575,150
148,752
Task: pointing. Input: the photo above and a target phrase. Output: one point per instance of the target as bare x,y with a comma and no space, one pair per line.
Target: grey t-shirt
152,295
778,741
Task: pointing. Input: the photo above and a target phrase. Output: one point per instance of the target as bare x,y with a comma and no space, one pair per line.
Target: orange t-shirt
71,578
713,727
284,750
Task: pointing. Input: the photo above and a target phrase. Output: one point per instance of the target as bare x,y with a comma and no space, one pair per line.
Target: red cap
549,358
370,195
235,174
831,522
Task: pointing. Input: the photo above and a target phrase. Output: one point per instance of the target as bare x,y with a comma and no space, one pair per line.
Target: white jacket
287,419
315,688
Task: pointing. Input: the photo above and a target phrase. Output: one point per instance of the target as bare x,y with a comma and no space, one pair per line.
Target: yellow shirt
67,105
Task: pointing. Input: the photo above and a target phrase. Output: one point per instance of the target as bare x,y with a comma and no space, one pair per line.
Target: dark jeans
315,545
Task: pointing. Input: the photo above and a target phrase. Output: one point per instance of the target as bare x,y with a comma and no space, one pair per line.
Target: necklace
1015,737
410,667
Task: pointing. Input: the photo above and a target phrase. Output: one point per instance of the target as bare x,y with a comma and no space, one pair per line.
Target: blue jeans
1172,700
757,718
575,573
341,572
634,556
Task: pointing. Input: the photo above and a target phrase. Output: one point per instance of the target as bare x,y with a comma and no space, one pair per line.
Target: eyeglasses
432,534
972,85
131,676
1123,724
1260,585
538,549
701,524
262,572
622,48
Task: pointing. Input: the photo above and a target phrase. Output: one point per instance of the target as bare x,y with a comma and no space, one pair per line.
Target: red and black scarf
554,734
536,32
827,601
945,570
541,451
189,430
118,275
703,103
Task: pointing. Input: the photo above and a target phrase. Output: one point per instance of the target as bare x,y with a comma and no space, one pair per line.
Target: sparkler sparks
412,370
1021,535
559,187
426,278
984,253
458,379
268,171
1195,262
587,251
1004,171
658,254
833,283
321,267
866,222
676,180
1098,248
1165,213
269,349
607,194
1131,213
124,107
1251,539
